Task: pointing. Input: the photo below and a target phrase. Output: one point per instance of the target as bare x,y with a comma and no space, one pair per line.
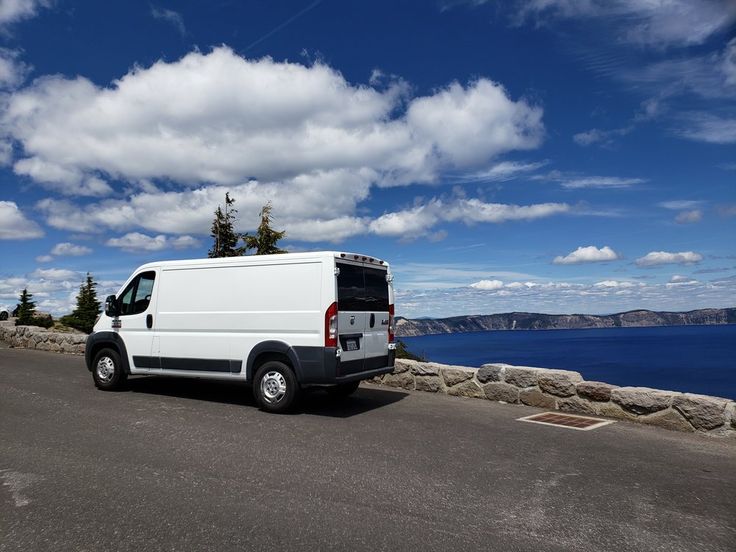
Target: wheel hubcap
105,369
273,387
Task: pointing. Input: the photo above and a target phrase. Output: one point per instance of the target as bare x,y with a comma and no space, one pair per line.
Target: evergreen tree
26,309
88,307
266,238
224,236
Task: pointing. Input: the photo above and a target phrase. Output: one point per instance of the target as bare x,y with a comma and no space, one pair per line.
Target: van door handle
373,320
149,321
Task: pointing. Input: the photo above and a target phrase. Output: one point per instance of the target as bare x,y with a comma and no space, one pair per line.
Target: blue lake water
696,359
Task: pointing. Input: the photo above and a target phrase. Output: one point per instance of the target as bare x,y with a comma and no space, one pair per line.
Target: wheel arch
272,350
106,340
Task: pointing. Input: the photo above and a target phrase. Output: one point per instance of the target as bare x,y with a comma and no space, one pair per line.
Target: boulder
641,400
704,413
595,390
424,369
490,372
453,376
431,384
404,380
503,392
521,376
576,406
534,397
468,388
667,419
558,382
403,365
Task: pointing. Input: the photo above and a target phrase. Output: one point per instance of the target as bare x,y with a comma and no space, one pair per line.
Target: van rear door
363,317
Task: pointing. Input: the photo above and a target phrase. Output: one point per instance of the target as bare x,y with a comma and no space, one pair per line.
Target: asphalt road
192,465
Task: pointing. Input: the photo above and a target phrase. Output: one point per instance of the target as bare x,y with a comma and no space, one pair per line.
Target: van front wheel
107,370
275,387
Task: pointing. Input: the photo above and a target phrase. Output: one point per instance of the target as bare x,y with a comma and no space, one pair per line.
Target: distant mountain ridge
406,327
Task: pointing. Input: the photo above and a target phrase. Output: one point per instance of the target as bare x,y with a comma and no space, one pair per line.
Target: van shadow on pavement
312,401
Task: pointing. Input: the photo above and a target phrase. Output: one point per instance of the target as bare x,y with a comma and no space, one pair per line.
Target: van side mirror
112,308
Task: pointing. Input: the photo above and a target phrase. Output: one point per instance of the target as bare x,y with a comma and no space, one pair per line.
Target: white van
278,322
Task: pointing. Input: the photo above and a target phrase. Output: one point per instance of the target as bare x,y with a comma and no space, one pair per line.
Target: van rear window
361,289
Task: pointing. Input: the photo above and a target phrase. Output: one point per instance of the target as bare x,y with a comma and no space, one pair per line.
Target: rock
490,372
404,380
534,397
521,376
468,388
559,382
667,419
503,392
595,390
453,376
403,365
641,400
425,369
612,410
704,413
576,405
431,384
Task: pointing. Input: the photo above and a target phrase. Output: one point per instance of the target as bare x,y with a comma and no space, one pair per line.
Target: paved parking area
194,465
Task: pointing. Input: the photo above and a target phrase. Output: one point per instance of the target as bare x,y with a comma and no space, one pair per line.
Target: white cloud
14,225
655,258
410,223
487,285
44,258
501,172
645,22
589,254
470,125
689,217
70,249
682,280
12,71
574,181
599,136
135,241
614,284
171,17
12,11
709,128
54,274
680,204
222,119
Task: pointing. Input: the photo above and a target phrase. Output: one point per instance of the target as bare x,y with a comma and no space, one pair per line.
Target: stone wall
567,391
33,337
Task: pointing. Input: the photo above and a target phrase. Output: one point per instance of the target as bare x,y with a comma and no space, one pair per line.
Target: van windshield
361,288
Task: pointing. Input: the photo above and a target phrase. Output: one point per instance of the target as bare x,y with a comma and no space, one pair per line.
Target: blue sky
539,155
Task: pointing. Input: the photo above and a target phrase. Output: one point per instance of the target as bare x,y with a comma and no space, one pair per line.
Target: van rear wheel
275,387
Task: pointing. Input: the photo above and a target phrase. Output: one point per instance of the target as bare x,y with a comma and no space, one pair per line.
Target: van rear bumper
322,366
364,375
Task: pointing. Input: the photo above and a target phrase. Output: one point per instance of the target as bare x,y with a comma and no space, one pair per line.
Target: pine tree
266,238
88,307
26,309
223,233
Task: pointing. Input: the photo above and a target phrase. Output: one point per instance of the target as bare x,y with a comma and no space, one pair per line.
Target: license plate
351,345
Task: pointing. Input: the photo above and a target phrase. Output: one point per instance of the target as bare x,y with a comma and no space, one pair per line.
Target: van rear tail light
331,326
391,328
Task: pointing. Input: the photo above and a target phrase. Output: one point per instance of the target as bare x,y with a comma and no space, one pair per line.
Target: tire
343,389
275,387
107,370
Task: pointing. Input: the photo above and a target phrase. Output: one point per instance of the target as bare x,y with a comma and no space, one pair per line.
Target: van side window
137,296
